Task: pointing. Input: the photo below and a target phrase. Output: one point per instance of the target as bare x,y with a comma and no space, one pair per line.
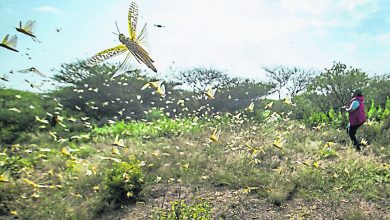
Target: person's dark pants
352,134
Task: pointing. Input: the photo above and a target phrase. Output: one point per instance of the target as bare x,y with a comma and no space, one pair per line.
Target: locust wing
9,43
132,19
124,67
30,26
106,54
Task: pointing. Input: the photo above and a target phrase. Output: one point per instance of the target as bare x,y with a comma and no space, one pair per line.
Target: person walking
357,116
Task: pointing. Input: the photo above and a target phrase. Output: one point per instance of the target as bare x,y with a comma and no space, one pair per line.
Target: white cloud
332,13
48,9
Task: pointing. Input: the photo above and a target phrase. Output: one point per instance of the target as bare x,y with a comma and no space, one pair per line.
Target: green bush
13,122
21,119
386,124
154,115
377,136
326,153
386,112
179,209
333,118
371,110
277,197
123,182
159,128
379,113
338,119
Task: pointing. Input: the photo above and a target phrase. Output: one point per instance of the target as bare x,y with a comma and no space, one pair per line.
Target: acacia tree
279,76
232,94
73,73
299,79
293,79
92,91
200,78
240,96
332,88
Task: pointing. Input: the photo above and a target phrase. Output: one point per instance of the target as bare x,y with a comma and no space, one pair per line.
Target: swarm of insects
132,45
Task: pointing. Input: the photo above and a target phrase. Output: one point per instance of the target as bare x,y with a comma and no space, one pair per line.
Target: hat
358,92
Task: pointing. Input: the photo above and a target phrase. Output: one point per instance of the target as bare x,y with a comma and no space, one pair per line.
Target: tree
199,79
279,76
73,73
378,89
240,96
333,87
13,124
299,79
92,91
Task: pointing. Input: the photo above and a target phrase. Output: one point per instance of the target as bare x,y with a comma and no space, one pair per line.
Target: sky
237,37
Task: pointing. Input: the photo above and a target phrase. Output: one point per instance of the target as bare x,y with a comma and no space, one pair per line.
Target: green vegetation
81,154
158,128
181,210
25,106
123,182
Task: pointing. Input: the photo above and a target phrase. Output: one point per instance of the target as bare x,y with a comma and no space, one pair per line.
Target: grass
180,209
179,152
161,127
354,214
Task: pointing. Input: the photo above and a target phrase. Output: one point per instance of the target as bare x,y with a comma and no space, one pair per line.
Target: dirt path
230,204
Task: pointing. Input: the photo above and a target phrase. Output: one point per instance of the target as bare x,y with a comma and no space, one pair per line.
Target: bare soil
232,204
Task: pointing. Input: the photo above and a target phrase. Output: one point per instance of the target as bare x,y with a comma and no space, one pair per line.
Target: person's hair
358,92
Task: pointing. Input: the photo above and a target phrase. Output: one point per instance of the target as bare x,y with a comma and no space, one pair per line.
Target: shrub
386,112
179,209
328,153
277,197
11,123
386,124
370,133
158,128
123,182
154,115
14,125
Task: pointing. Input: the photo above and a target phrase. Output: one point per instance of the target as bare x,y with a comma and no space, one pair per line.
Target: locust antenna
116,24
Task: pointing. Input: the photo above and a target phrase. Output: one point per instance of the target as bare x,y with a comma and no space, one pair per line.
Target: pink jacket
358,116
